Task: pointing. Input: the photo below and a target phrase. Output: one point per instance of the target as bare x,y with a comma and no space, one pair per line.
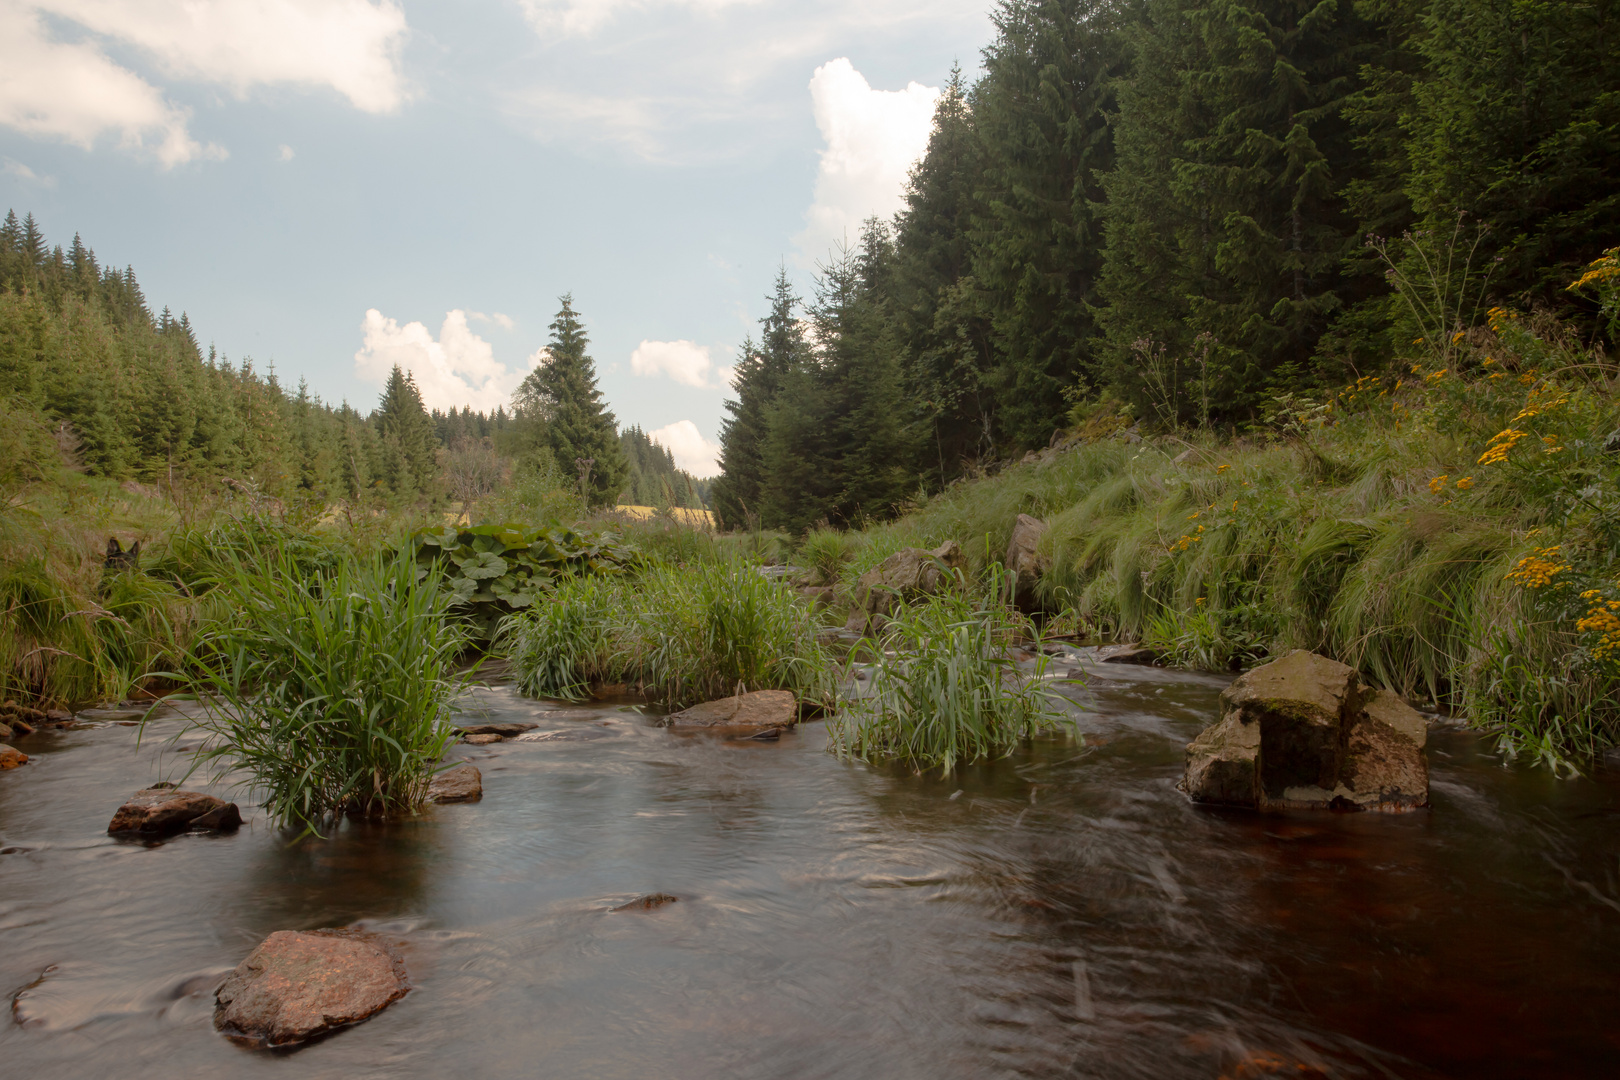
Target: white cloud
503,321
351,46
873,138
688,447
26,175
684,361
696,80
285,153
70,91
457,369
66,87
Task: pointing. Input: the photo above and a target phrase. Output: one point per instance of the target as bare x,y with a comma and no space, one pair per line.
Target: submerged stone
1301,732
164,810
762,710
506,731
300,984
459,783
648,903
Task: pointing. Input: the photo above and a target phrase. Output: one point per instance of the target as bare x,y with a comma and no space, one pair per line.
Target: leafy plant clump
492,571
332,694
570,643
946,689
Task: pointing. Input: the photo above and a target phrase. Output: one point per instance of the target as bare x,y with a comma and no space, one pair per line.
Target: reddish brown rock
483,738
164,810
459,783
907,573
761,710
10,757
300,984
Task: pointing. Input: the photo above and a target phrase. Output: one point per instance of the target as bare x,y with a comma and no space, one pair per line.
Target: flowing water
1064,912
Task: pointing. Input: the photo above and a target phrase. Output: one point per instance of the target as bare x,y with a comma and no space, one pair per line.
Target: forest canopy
1182,212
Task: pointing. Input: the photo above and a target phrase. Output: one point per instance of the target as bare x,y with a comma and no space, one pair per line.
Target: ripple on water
1063,912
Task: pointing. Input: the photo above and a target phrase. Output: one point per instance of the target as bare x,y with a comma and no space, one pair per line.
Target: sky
336,186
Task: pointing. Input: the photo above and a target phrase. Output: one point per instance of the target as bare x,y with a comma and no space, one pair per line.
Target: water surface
1061,913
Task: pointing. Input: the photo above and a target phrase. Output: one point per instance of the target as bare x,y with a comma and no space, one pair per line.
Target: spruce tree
580,432
1227,228
738,493
407,434
1043,113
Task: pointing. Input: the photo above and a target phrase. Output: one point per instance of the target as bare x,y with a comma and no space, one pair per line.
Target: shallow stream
1064,912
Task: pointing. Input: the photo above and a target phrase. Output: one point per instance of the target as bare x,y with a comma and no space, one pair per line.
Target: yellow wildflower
1537,569
1437,483
1501,444
1465,483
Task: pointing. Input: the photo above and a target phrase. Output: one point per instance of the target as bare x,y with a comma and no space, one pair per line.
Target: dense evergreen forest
124,393
1182,212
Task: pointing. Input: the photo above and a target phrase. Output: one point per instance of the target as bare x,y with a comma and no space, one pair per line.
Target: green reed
947,688
330,693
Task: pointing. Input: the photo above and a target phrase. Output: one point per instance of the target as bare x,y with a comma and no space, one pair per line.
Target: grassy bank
1453,532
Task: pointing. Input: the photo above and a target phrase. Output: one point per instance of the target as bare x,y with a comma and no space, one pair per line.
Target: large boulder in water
11,757
300,984
164,810
458,783
907,573
1303,732
762,710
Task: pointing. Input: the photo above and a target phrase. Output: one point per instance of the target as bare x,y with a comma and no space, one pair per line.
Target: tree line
129,394
1180,210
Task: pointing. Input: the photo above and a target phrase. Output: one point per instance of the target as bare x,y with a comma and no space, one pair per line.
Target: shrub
331,693
946,689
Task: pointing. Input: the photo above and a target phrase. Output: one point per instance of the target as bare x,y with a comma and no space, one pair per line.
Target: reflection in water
1064,912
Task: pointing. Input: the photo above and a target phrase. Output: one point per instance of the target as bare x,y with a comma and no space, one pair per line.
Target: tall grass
684,634
946,688
331,694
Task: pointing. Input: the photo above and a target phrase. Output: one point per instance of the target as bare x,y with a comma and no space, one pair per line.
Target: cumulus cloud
688,447
66,87
285,153
70,91
873,138
684,361
459,368
696,80
351,46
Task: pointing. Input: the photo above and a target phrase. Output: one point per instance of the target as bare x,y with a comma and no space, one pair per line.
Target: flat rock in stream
300,984
1302,732
1131,654
164,810
11,757
760,711
505,731
459,783
650,902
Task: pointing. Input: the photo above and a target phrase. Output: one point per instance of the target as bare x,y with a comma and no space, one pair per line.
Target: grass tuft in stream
331,693
947,689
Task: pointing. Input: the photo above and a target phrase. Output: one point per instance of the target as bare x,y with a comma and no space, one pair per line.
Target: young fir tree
836,446
1228,232
1043,112
738,493
406,434
562,396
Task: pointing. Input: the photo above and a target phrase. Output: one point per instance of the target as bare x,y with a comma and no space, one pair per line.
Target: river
1061,913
